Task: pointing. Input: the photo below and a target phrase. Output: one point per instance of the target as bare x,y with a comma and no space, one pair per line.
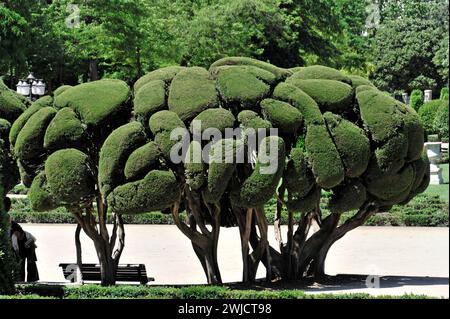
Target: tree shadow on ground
347,282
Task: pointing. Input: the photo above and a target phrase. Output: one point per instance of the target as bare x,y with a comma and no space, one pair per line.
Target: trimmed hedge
191,92
41,199
114,153
11,103
195,170
347,197
162,124
150,99
379,113
282,115
358,81
221,168
69,176
351,142
65,130
239,85
142,160
18,125
280,74
157,191
37,291
424,210
260,186
330,95
30,140
251,120
219,119
320,72
96,101
298,175
164,74
61,89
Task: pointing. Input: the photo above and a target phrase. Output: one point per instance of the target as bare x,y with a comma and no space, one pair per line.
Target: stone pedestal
405,98
428,96
434,154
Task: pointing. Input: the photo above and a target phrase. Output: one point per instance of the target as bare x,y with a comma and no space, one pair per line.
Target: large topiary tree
336,133
58,145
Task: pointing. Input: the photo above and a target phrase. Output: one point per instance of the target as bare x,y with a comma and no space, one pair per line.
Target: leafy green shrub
440,124
433,138
416,100
435,210
19,189
427,113
444,94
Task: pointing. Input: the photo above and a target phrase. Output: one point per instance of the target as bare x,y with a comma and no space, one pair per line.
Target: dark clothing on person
15,227
29,257
25,249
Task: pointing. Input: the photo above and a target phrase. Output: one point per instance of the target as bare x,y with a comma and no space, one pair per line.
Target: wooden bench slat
125,272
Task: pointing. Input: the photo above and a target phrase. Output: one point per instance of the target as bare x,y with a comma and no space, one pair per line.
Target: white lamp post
31,87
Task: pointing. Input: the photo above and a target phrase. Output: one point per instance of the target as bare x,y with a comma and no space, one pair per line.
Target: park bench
91,272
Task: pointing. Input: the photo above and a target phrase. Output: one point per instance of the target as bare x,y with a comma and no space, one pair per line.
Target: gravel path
410,254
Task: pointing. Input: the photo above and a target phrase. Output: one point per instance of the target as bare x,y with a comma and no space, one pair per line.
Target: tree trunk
107,265
205,243
248,223
138,62
93,69
104,245
79,254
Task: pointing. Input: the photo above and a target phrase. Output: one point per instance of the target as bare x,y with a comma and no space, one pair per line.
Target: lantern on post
31,87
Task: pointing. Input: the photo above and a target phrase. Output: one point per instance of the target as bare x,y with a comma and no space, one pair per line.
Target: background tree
406,45
355,43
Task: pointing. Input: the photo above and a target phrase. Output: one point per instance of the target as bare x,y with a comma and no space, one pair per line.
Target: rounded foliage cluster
335,132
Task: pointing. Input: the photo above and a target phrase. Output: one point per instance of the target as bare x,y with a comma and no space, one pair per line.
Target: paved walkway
407,254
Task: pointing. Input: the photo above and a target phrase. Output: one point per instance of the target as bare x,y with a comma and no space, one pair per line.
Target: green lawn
441,190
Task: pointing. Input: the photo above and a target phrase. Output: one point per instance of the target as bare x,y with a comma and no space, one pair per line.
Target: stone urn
434,155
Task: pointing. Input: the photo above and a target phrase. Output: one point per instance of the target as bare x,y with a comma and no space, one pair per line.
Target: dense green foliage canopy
403,44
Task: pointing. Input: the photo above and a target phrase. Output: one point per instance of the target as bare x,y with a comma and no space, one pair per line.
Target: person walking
24,245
